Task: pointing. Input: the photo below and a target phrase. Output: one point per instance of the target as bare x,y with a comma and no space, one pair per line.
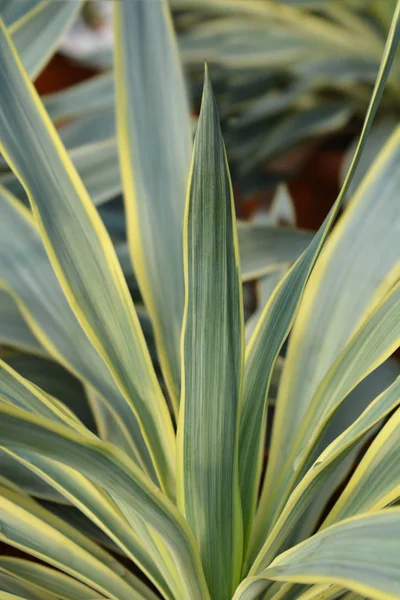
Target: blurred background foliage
292,78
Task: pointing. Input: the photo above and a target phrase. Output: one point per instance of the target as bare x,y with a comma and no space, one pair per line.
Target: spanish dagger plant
125,488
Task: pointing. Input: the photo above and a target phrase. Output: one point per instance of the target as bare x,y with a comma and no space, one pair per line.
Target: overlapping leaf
154,136
23,265
82,255
274,325
339,294
360,553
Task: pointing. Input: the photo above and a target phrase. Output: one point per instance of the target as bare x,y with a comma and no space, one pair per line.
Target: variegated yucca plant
157,488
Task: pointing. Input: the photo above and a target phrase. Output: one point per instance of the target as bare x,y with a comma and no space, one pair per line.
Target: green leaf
27,481
376,339
17,391
154,136
341,68
264,346
360,553
212,356
97,127
132,491
294,128
321,471
44,579
262,247
266,286
56,381
82,256
318,592
380,134
370,346
37,34
97,165
78,519
345,415
133,538
359,399
71,485
33,529
75,488
369,233
114,424
11,11
23,264
376,480
14,330
23,589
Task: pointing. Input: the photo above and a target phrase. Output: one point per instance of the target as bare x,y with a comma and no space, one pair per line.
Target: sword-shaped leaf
212,357
82,255
154,136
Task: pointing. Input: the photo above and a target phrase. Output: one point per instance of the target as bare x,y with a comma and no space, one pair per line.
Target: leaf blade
37,34
29,527
371,566
23,264
83,257
321,470
212,359
154,136
326,313
106,466
45,578
286,299
376,480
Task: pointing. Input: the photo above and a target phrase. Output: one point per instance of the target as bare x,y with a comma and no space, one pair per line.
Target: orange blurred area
61,73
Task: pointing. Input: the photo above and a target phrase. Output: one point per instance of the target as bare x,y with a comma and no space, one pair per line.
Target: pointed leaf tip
209,108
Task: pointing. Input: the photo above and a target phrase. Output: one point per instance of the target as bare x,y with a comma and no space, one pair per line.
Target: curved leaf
154,136
36,35
133,538
56,381
75,488
14,330
132,491
376,480
262,247
23,265
360,553
321,471
31,528
345,415
27,481
10,585
268,338
45,579
97,165
89,129
338,295
82,256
